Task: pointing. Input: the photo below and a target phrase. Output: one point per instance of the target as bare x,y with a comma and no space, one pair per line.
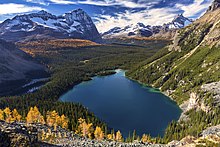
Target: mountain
188,71
15,65
75,24
141,30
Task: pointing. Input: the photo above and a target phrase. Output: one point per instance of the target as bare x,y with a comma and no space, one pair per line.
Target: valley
136,83
70,64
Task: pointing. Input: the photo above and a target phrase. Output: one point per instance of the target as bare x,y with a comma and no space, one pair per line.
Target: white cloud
62,2
198,6
13,8
41,2
157,16
122,3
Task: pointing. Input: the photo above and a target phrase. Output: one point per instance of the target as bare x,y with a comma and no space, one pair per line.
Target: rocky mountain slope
15,64
22,134
75,24
140,30
187,69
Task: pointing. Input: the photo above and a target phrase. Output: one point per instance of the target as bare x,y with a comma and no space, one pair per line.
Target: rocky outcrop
214,130
214,88
215,5
17,135
28,135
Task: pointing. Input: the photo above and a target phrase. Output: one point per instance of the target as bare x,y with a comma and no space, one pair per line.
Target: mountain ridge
75,24
167,30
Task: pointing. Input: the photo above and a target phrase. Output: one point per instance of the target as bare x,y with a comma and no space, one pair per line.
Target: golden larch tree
63,121
34,116
2,115
145,138
7,114
118,136
99,135
16,116
84,129
52,118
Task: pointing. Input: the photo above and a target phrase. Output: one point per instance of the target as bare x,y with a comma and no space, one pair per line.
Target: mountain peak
42,12
74,24
215,5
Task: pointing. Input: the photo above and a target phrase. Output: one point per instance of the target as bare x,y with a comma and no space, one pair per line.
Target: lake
124,104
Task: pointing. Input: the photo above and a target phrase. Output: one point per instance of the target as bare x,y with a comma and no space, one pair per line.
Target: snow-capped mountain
142,30
179,22
75,24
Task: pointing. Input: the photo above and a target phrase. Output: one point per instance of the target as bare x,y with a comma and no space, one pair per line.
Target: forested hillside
186,71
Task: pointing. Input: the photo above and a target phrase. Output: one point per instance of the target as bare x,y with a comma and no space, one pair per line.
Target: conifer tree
7,114
63,121
34,116
2,115
99,135
84,129
16,116
118,136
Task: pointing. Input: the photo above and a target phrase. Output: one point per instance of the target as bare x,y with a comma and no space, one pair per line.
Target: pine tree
134,137
99,135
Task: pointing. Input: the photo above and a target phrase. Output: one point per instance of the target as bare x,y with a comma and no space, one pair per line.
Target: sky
108,14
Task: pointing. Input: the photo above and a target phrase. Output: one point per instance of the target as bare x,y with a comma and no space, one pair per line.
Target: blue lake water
124,104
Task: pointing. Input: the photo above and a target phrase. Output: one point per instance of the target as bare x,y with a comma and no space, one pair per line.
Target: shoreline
164,93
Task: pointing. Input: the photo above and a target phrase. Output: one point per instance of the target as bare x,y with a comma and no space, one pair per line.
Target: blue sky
111,13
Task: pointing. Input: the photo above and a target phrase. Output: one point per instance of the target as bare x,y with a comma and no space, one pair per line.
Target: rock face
75,24
140,30
214,88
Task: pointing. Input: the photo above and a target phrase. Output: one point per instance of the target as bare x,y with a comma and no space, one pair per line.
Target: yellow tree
84,129
63,121
7,113
99,135
145,138
2,115
118,136
16,116
52,118
110,137
34,116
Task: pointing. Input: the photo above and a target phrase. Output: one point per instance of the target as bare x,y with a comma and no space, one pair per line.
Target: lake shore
101,87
